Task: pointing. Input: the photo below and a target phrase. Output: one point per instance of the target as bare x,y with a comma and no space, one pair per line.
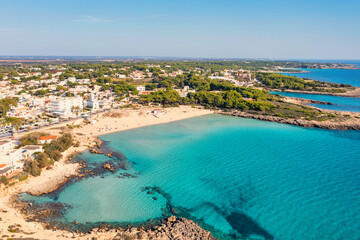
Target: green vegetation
14,121
41,92
30,139
52,152
122,67
280,81
150,86
32,167
169,97
120,77
23,177
5,105
4,180
244,99
228,100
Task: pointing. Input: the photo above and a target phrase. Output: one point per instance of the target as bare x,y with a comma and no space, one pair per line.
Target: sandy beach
85,134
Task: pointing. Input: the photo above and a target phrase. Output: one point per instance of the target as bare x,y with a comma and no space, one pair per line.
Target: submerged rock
98,142
108,166
96,151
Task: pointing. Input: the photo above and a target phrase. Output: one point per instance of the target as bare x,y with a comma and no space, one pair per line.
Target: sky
277,29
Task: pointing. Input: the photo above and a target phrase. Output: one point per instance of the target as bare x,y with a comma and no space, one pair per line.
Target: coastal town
52,111
38,96
179,120
35,97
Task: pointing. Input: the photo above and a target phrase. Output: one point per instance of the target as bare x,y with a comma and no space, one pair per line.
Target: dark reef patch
246,226
52,213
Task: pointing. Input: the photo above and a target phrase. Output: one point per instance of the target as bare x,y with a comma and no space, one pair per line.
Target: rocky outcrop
171,229
345,125
307,101
98,142
108,167
95,151
350,93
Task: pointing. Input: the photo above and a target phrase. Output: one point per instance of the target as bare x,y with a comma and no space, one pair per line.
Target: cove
340,103
242,177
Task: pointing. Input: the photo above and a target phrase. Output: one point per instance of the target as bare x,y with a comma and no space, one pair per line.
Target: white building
46,139
106,103
64,106
13,161
19,112
79,89
141,88
7,145
71,79
93,102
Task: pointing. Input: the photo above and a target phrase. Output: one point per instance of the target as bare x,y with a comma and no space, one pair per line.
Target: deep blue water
345,76
241,176
341,103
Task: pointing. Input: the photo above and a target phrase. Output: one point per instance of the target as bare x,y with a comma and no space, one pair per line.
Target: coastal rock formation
98,142
171,229
96,151
351,93
307,101
108,166
344,125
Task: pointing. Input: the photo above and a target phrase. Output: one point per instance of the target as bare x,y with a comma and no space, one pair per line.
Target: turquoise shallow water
340,103
238,175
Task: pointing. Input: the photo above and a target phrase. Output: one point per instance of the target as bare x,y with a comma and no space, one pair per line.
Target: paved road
7,135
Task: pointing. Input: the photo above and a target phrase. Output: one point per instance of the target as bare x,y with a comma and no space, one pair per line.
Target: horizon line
171,57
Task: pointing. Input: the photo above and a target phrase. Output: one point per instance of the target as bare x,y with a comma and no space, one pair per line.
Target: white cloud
92,19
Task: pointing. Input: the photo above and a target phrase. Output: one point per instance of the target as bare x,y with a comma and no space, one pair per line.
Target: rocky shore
168,229
349,124
43,215
308,101
351,93
172,228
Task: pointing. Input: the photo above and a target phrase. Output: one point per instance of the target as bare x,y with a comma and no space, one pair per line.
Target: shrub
4,180
32,167
23,177
43,160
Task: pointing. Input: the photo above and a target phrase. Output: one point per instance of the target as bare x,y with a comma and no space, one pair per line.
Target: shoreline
127,119
351,94
62,171
304,101
106,123
331,125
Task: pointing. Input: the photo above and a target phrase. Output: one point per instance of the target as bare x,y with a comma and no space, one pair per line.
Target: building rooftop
5,170
2,165
52,137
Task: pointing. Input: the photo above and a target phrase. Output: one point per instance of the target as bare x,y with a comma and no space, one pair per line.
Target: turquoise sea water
345,76
340,103
244,177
